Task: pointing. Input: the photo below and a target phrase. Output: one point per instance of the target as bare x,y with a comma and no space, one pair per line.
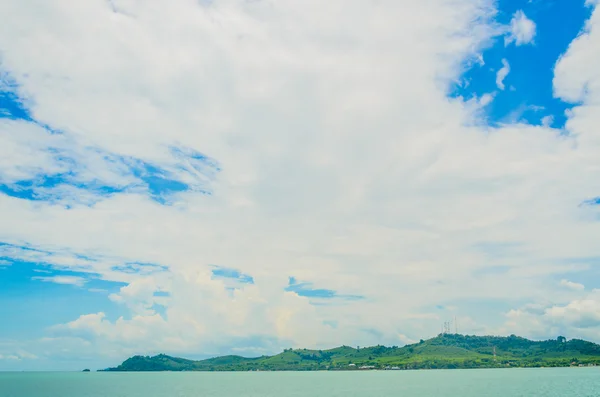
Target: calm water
563,382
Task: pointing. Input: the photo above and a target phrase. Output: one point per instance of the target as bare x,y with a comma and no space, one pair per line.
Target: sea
542,382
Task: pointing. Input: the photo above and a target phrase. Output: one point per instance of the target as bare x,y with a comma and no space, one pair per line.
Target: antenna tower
447,327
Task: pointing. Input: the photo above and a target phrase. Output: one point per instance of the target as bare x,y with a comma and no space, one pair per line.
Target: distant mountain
443,351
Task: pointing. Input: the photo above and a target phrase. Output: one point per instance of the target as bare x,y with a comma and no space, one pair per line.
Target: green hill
443,351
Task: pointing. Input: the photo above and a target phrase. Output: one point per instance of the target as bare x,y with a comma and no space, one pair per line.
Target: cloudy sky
202,177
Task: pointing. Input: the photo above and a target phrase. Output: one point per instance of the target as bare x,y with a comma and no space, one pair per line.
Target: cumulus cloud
340,161
575,80
502,73
583,313
522,30
578,318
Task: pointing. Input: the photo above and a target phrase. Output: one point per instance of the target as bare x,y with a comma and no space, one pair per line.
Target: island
446,351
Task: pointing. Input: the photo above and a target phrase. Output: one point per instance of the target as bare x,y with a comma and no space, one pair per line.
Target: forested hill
443,351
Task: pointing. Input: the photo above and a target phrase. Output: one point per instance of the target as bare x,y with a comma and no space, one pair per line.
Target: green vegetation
444,351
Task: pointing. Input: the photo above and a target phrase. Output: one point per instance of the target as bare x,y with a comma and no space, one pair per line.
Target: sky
216,177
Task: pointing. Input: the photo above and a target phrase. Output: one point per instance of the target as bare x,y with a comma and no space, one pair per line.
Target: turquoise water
550,382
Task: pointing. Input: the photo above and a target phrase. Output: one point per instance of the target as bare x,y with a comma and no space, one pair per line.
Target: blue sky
26,289
171,184
527,94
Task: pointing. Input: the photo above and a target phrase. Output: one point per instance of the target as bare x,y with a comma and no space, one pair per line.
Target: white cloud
9,357
18,356
502,73
577,318
486,99
522,30
575,79
98,290
572,285
547,121
343,164
580,313
66,280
